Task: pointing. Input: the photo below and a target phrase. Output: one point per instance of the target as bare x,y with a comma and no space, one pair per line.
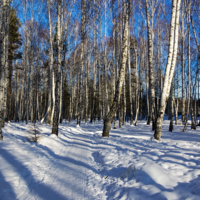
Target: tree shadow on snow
35,187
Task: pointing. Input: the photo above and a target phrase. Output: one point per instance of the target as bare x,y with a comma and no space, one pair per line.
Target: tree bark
171,126
51,87
171,61
113,109
130,81
183,64
189,76
58,72
151,76
3,61
176,103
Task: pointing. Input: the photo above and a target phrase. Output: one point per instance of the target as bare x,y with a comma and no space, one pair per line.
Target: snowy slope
79,164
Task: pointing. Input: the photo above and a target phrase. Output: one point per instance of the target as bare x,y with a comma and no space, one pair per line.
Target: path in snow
80,164
56,168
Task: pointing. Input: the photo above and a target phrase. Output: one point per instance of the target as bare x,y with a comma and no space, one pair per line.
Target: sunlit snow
80,164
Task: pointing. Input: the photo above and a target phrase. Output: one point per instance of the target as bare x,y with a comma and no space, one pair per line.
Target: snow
80,164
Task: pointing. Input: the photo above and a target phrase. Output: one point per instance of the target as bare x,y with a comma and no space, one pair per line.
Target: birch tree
58,72
2,62
189,65
183,62
171,62
118,90
151,76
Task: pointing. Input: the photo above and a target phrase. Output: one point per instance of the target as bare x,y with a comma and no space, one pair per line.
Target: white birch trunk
6,40
171,61
58,72
151,76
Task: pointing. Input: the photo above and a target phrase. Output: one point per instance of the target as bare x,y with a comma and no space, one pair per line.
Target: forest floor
80,164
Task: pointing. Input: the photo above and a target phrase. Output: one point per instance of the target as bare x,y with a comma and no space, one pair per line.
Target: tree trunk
3,61
176,103
130,81
86,89
17,95
9,89
50,112
171,127
32,85
189,76
93,108
124,103
61,97
183,64
137,89
113,109
58,72
171,61
151,76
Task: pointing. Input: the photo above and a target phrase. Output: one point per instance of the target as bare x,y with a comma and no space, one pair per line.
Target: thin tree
171,62
118,90
58,72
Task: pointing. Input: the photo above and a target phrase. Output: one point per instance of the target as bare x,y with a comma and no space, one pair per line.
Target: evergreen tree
15,40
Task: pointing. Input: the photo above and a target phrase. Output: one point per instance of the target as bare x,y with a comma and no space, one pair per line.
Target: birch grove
88,60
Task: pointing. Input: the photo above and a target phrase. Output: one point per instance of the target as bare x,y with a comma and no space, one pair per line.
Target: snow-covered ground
79,164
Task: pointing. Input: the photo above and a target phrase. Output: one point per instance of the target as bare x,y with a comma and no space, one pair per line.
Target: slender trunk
116,41
9,89
194,112
171,127
78,100
136,91
151,76
147,92
171,62
183,63
82,57
100,100
177,100
6,67
71,96
32,85
93,115
113,109
124,103
193,125
86,89
58,72
189,76
27,82
120,114
17,95
130,81
61,97
105,67
2,66
51,88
